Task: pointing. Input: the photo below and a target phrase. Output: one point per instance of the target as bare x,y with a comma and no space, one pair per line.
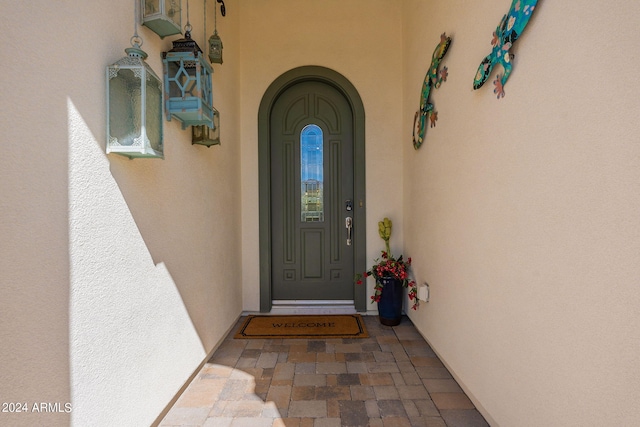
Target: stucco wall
118,276
358,39
522,213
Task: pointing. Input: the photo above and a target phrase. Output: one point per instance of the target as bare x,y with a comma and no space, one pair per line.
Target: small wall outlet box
423,292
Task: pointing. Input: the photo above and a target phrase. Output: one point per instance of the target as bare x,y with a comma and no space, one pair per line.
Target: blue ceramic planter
390,304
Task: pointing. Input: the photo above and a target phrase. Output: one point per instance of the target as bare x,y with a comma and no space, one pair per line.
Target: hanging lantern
134,106
215,48
163,17
204,135
187,83
215,43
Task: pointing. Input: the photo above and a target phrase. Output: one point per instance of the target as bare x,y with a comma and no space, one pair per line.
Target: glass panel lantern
163,17
215,49
204,135
134,107
187,84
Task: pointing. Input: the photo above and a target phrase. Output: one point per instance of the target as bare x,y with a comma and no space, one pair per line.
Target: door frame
279,85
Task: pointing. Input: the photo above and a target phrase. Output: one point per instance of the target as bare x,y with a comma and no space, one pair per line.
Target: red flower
388,266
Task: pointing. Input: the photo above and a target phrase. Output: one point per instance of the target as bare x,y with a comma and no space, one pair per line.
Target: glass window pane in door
311,174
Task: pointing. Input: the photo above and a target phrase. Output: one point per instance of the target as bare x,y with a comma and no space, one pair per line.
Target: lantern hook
223,9
136,41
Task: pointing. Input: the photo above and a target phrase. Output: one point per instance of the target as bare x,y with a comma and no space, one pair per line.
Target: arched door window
311,173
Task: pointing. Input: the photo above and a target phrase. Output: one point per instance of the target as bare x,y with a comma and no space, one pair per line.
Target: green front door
312,194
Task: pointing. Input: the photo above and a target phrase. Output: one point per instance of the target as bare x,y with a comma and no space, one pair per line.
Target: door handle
349,225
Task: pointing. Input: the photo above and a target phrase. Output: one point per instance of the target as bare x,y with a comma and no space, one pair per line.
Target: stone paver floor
391,379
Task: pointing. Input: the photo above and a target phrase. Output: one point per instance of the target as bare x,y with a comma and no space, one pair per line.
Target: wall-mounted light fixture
134,105
187,82
215,43
163,17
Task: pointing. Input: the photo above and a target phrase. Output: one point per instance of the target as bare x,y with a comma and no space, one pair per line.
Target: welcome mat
307,326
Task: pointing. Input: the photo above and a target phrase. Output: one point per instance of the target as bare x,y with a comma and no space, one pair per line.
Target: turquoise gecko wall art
434,78
510,28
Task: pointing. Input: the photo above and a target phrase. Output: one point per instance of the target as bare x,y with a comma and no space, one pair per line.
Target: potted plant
391,275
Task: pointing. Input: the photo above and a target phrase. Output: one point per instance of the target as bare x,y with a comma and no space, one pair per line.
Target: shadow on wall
127,318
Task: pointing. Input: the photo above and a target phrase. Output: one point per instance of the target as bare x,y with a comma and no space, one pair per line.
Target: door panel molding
337,223
281,84
299,111
288,175
329,113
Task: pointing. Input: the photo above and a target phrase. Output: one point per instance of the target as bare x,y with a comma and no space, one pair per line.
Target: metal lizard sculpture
434,78
510,28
